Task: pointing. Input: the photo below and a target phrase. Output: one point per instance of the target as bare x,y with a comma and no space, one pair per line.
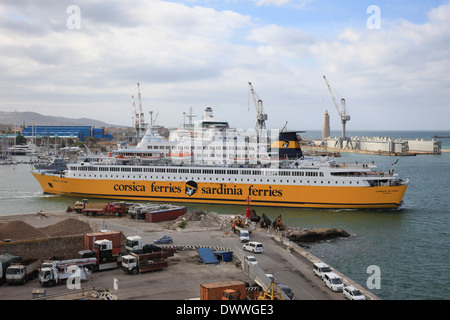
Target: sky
389,60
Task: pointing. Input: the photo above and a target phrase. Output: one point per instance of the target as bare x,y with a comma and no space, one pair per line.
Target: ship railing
365,174
352,165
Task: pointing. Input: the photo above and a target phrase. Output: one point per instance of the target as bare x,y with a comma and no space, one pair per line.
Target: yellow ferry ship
314,186
211,174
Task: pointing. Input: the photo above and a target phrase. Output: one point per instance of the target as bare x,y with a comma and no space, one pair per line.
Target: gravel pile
199,219
18,230
67,227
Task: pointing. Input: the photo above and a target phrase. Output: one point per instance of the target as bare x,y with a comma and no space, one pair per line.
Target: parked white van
333,281
320,269
352,293
253,246
244,235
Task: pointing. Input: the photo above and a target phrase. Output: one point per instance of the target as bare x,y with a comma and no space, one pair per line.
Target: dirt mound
18,230
198,219
67,227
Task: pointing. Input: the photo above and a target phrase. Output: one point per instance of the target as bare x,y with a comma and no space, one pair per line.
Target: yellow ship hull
276,195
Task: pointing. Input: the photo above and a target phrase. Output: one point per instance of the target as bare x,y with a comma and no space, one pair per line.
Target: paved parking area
184,275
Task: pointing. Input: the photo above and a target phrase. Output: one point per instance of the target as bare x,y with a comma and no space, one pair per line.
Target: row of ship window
214,179
202,171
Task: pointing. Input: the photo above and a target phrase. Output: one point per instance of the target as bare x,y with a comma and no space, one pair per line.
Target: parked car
148,248
252,260
253,246
285,288
352,293
163,239
333,281
321,268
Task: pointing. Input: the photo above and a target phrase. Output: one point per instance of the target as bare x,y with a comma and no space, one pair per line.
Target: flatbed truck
141,263
91,209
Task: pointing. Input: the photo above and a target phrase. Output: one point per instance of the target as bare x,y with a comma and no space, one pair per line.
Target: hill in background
33,118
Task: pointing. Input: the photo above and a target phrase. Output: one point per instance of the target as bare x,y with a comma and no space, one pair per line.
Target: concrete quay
288,262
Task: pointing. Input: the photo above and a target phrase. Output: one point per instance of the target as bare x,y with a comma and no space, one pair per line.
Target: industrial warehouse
73,132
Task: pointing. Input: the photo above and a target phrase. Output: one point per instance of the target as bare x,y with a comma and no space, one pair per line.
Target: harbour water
409,246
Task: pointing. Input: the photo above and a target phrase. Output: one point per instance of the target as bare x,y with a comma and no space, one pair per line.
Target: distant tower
326,126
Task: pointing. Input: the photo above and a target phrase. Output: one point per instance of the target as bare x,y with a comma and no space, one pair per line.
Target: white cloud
196,56
400,72
294,3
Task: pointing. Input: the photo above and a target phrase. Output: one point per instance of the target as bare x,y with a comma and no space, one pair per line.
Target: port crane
141,113
139,122
261,117
135,115
342,113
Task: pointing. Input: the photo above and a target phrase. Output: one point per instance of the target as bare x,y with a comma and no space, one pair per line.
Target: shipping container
165,214
214,291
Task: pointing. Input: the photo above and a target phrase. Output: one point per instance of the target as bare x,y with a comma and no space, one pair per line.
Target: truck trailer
152,212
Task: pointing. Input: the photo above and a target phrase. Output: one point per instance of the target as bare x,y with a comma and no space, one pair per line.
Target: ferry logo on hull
191,188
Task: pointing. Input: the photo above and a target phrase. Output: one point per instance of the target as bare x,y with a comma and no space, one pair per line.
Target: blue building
73,132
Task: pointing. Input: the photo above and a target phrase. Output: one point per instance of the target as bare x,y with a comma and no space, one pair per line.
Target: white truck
134,244
50,276
140,263
55,272
103,253
23,271
6,260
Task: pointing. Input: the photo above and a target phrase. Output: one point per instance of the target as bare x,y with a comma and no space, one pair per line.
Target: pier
316,146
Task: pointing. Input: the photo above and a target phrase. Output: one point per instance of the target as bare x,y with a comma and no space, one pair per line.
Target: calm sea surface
410,246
